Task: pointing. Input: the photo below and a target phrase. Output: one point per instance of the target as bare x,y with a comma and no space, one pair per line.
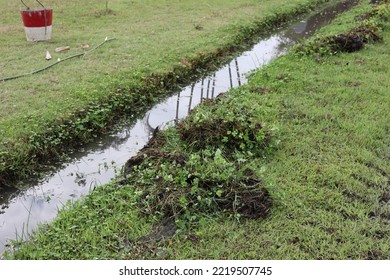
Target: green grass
328,177
71,102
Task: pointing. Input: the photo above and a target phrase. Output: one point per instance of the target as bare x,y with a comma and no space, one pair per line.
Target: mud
151,149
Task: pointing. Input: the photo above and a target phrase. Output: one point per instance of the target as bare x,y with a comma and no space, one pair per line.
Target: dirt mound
211,132
206,173
347,43
152,150
248,198
352,41
235,130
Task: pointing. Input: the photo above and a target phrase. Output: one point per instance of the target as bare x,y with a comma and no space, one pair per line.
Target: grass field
320,149
72,101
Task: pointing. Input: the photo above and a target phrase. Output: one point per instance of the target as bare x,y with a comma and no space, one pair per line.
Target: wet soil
354,40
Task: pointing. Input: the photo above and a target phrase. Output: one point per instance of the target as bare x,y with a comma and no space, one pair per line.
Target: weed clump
236,129
353,40
209,172
253,201
205,184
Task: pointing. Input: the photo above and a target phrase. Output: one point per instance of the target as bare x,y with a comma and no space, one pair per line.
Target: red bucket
37,24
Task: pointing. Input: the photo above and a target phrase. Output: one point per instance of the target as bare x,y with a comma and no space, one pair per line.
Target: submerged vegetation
294,165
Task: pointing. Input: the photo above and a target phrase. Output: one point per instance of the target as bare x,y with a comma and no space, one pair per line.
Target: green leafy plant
206,171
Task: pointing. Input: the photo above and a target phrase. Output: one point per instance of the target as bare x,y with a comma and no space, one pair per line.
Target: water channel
25,206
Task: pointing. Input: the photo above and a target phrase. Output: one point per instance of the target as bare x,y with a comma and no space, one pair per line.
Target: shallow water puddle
23,208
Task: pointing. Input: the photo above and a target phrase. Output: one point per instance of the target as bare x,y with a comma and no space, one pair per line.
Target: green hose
55,63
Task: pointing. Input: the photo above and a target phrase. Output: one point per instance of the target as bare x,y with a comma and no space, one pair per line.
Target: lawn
69,103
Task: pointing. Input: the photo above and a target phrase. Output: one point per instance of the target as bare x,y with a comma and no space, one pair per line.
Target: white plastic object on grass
48,55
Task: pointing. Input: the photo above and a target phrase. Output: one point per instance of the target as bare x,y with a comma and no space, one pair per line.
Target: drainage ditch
25,206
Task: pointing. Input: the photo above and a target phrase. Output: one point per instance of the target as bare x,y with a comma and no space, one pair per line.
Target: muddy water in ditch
23,207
